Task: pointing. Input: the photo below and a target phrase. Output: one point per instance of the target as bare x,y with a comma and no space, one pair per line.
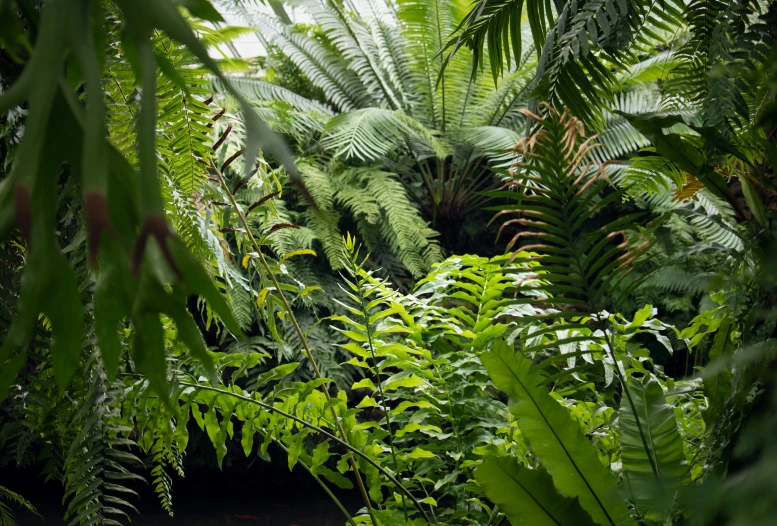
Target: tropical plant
377,71
534,387
718,53
8,498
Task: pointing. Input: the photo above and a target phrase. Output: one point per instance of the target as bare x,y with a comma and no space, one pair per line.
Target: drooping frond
359,50
379,204
99,461
575,43
9,498
184,119
257,90
494,143
619,138
324,67
499,23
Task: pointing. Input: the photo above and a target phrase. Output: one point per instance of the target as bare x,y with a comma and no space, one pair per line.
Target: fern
7,499
94,468
441,139
164,457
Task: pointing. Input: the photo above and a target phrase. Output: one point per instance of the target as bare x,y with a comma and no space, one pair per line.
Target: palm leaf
6,517
366,134
495,27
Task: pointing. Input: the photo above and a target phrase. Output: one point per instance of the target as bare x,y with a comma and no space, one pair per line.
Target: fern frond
9,498
257,90
94,468
325,69
366,134
558,194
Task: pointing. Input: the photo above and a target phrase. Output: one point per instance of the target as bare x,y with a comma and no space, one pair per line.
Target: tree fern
433,131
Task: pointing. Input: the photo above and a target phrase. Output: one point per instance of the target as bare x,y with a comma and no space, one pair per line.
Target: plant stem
320,483
300,334
317,429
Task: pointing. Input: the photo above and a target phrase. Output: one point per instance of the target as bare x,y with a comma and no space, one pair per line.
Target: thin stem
431,508
300,334
453,425
323,432
440,41
320,483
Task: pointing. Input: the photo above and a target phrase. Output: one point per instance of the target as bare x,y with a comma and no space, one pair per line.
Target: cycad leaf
259,90
366,134
527,496
651,491
554,437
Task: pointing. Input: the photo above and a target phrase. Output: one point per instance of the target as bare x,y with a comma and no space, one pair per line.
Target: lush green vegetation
502,263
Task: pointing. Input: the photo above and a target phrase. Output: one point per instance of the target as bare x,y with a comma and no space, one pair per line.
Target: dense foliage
544,295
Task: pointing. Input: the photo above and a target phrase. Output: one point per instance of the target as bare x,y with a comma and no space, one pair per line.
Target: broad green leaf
199,282
276,373
527,496
554,437
419,453
366,402
364,383
64,310
654,468
202,9
111,303
148,351
754,201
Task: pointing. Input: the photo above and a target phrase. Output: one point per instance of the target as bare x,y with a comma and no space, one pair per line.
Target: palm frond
366,134
494,27
9,498
257,90
325,68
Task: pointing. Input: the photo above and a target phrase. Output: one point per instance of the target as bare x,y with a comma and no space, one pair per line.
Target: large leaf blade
651,490
554,437
527,496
